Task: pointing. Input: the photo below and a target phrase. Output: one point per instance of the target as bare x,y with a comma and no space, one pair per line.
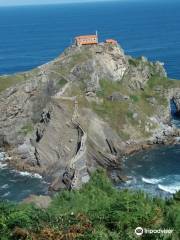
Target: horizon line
62,3
76,2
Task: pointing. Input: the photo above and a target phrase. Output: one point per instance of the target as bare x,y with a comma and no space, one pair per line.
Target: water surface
156,171
16,186
30,36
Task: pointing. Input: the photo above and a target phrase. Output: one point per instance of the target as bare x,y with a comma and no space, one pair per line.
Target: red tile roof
86,36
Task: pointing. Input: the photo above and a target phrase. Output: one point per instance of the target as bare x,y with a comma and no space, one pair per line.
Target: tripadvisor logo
139,231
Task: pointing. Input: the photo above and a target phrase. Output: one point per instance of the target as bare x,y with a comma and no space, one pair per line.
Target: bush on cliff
98,211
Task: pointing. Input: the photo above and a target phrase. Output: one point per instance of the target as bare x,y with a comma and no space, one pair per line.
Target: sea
33,35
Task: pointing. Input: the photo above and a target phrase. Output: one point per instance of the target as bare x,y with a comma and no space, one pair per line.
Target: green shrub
62,82
135,98
28,128
97,211
134,62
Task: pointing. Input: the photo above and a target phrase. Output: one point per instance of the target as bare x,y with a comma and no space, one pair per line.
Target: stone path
78,162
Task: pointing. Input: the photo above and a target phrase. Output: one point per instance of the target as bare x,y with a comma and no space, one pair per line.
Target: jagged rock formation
85,109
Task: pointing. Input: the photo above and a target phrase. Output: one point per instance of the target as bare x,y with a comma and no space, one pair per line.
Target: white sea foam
128,182
6,194
3,165
33,175
151,180
2,156
13,181
170,188
131,180
5,186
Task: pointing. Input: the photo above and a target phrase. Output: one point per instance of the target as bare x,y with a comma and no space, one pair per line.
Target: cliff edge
87,108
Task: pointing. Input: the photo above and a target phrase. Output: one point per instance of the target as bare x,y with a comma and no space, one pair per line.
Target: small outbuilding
111,41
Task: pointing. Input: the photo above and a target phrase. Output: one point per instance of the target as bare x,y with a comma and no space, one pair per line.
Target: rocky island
87,108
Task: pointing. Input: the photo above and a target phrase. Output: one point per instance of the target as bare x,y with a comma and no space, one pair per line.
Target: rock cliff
87,108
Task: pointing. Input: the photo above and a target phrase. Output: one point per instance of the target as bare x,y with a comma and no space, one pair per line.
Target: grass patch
144,105
130,115
124,135
114,112
119,114
8,81
108,87
62,82
166,83
79,58
28,128
75,59
135,98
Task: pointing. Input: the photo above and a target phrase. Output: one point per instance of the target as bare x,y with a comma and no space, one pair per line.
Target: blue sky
32,2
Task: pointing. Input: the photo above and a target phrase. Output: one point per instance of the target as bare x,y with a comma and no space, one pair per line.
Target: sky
33,2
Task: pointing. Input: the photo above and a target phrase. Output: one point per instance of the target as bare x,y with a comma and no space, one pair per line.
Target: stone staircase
78,162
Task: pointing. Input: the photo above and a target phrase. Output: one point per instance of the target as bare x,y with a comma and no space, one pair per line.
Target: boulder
118,97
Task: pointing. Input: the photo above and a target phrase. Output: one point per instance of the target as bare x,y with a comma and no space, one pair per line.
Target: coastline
119,179
59,131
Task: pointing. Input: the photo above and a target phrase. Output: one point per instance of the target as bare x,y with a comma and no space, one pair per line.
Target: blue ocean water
155,171
16,186
31,36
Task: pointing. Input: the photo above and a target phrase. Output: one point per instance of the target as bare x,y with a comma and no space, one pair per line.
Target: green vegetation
135,98
114,112
134,61
96,212
151,89
144,102
130,115
62,82
119,114
163,82
108,87
76,59
125,136
7,81
79,58
28,128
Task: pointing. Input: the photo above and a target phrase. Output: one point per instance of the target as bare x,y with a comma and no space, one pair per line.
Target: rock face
140,71
83,110
174,95
103,62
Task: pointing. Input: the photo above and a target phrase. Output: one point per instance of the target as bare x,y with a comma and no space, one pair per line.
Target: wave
6,194
128,182
2,156
170,188
13,181
3,165
28,174
4,186
151,180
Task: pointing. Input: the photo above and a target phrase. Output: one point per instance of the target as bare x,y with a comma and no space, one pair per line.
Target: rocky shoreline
88,108
173,138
